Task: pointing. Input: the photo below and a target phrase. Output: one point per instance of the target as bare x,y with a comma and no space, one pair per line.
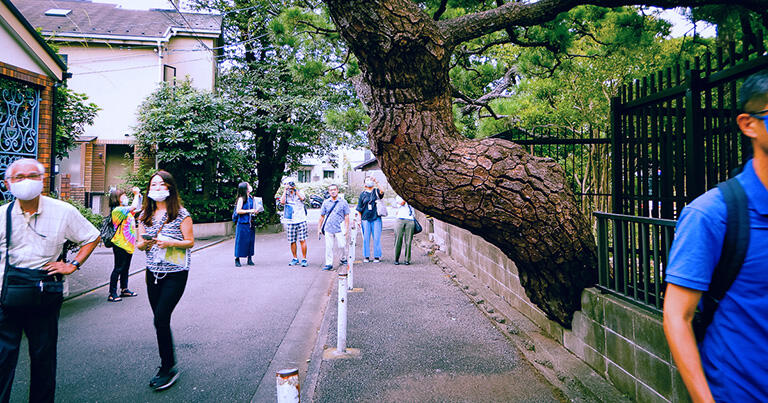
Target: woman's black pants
164,293
122,265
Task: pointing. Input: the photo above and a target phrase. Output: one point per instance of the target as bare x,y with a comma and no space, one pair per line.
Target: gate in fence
19,122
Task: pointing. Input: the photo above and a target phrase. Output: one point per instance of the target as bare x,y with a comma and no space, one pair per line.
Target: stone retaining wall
620,341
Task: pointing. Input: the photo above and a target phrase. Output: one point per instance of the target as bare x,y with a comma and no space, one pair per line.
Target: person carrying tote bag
404,230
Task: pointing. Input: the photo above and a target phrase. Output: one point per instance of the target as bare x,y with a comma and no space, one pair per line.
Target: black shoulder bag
731,258
416,225
327,216
27,288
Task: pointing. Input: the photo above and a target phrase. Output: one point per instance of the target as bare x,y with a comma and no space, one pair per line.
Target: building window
328,174
304,176
169,74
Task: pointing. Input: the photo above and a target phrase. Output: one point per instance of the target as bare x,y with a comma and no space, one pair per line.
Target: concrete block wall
626,345
623,343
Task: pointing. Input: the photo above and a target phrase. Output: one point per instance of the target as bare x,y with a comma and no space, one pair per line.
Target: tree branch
440,10
496,93
458,94
471,26
346,59
318,29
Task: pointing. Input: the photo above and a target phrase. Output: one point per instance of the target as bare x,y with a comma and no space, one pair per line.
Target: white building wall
191,59
115,79
118,79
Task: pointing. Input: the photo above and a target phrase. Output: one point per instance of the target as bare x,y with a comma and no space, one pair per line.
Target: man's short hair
22,161
753,95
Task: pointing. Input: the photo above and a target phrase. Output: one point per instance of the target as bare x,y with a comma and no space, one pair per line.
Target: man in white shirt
295,220
334,213
39,228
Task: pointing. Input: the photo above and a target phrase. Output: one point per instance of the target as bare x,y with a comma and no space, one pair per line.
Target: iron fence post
694,137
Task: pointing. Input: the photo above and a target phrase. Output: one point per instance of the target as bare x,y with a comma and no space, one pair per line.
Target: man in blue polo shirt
731,362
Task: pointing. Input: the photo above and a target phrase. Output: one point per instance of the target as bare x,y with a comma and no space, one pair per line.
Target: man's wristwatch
75,263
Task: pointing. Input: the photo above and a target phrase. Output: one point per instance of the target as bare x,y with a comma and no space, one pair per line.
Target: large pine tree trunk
492,187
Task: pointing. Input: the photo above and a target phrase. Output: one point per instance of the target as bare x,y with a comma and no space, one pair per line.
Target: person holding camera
334,224
370,219
295,220
124,240
245,236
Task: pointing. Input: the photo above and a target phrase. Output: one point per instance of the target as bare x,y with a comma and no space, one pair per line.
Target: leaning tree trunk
492,187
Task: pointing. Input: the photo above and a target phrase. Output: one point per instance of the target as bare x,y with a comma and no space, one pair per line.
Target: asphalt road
230,330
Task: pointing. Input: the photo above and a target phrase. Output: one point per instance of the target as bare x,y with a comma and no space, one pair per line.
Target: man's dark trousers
42,330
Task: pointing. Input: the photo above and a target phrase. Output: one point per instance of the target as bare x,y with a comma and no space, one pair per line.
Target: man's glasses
763,117
19,178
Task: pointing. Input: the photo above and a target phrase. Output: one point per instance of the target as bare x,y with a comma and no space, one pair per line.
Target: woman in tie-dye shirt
124,241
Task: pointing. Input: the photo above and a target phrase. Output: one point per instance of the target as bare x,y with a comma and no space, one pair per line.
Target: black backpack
732,256
107,231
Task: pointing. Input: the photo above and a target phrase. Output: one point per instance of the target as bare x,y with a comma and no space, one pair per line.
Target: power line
144,66
173,3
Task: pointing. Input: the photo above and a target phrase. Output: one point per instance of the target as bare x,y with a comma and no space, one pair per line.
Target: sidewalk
422,338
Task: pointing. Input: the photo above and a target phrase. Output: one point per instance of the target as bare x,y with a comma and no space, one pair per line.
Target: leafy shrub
93,218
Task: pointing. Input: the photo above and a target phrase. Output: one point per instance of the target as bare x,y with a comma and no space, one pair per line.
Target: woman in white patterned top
165,233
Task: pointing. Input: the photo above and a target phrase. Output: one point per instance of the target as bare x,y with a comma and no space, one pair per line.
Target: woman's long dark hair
172,203
114,198
242,191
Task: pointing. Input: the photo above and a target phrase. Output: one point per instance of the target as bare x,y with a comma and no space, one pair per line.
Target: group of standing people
370,213
334,224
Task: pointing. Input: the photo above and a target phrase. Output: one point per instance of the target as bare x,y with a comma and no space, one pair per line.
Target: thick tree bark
491,187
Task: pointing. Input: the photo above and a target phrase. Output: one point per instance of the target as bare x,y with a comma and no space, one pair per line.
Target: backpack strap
736,239
732,255
8,228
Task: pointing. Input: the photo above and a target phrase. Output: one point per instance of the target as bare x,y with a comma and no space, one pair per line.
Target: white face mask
27,189
158,195
369,184
124,201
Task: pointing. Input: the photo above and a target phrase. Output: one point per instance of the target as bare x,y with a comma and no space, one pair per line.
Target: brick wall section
95,167
45,128
66,187
623,343
78,193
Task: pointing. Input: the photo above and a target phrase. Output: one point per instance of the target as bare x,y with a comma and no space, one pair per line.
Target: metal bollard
341,330
288,386
351,257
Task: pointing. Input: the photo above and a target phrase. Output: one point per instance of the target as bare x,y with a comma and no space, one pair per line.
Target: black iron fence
632,256
674,136
674,133
582,154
